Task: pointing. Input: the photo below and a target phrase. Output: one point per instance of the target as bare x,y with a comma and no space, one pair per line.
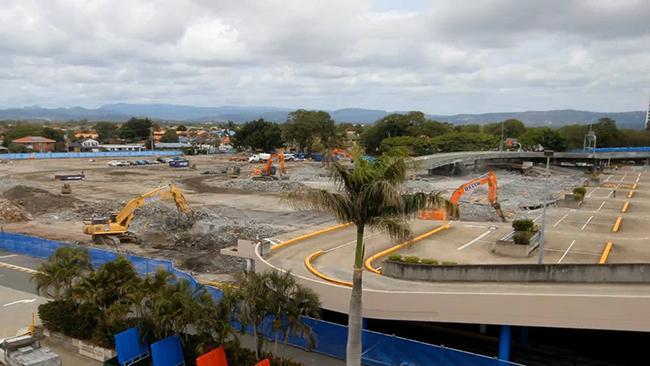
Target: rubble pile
262,186
10,212
37,201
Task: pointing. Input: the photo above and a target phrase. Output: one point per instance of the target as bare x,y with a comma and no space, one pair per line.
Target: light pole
501,142
548,154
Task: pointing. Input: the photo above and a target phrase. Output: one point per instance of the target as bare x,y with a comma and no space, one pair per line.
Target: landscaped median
369,262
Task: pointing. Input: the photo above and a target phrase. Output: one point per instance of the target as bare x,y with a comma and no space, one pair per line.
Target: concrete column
523,336
504,343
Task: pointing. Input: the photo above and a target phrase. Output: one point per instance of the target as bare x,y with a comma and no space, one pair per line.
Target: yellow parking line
321,275
309,235
386,252
625,206
629,195
606,251
617,224
17,268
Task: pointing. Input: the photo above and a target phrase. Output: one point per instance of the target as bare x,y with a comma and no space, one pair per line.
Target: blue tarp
622,149
167,352
129,347
104,154
379,349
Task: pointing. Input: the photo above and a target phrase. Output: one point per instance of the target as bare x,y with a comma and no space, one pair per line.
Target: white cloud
450,57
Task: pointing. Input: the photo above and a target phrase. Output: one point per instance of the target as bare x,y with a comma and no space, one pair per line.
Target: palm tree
253,307
368,196
300,303
61,271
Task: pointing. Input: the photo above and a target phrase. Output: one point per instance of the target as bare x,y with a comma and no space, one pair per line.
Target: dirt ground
31,203
227,209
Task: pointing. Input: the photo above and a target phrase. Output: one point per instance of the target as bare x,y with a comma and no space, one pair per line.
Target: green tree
464,141
429,128
414,146
181,128
106,131
53,133
475,128
574,135
169,136
544,136
607,134
61,272
306,127
259,135
512,128
369,196
393,125
17,148
136,129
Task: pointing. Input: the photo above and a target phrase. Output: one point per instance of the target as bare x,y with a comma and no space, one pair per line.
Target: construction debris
37,201
10,212
261,186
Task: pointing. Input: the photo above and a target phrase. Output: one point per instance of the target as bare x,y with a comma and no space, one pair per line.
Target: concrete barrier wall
580,273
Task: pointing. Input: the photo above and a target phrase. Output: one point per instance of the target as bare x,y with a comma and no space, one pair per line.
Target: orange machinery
269,171
490,179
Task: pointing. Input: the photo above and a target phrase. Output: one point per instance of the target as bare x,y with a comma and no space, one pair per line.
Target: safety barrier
331,338
76,155
622,149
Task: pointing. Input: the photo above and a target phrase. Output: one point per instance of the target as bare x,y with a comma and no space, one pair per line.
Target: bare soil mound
37,201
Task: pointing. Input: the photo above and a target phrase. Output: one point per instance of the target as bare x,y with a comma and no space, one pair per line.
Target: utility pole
151,137
548,154
501,142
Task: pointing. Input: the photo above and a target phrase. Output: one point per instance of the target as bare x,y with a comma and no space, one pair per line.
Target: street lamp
548,154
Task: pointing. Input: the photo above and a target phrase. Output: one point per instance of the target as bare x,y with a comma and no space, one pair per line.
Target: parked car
114,163
289,157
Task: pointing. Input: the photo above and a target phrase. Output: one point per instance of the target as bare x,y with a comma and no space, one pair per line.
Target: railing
76,155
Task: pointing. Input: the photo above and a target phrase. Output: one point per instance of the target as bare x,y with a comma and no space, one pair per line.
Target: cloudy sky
447,56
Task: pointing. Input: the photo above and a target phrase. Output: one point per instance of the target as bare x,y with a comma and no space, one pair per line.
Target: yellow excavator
115,229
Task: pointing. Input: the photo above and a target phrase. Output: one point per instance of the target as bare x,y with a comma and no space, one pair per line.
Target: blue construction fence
89,155
622,149
378,349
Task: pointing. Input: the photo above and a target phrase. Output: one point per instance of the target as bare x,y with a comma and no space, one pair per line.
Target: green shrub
523,225
66,317
449,263
580,191
431,262
395,257
240,356
521,237
411,259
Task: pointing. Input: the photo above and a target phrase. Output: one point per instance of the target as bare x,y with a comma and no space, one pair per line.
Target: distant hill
123,111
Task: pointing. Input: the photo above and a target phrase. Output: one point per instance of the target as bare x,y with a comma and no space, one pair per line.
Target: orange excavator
467,188
269,171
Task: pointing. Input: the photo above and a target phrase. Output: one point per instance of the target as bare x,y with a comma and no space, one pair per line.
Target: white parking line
606,179
587,223
622,179
567,251
26,301
474,240
353,242
537,218
592,192
560,220
8,256
601,206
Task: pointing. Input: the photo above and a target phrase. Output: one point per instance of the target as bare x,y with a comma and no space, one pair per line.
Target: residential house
86,135
36,143
120,147
84,145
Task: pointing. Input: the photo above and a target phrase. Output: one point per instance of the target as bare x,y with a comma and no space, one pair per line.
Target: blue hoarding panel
167,352
129,347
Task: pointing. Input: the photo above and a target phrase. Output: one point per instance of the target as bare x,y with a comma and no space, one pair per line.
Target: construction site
217,215
223,208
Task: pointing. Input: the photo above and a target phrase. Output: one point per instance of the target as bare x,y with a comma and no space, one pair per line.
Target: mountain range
171,112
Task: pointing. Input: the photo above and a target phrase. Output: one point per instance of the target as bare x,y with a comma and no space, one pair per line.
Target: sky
440,57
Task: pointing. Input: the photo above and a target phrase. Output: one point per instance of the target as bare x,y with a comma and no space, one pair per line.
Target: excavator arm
467,188
119,223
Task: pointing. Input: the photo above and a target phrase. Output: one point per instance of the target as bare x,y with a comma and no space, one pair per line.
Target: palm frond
396,226
321,200
382,194
422,201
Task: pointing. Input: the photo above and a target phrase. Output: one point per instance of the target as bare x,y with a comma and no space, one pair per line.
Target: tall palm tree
369,196
61,271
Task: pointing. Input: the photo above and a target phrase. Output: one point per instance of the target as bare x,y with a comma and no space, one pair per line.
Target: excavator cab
270,171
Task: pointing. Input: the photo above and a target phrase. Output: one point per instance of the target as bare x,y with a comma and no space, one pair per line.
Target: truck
259,158
26,350
180,163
